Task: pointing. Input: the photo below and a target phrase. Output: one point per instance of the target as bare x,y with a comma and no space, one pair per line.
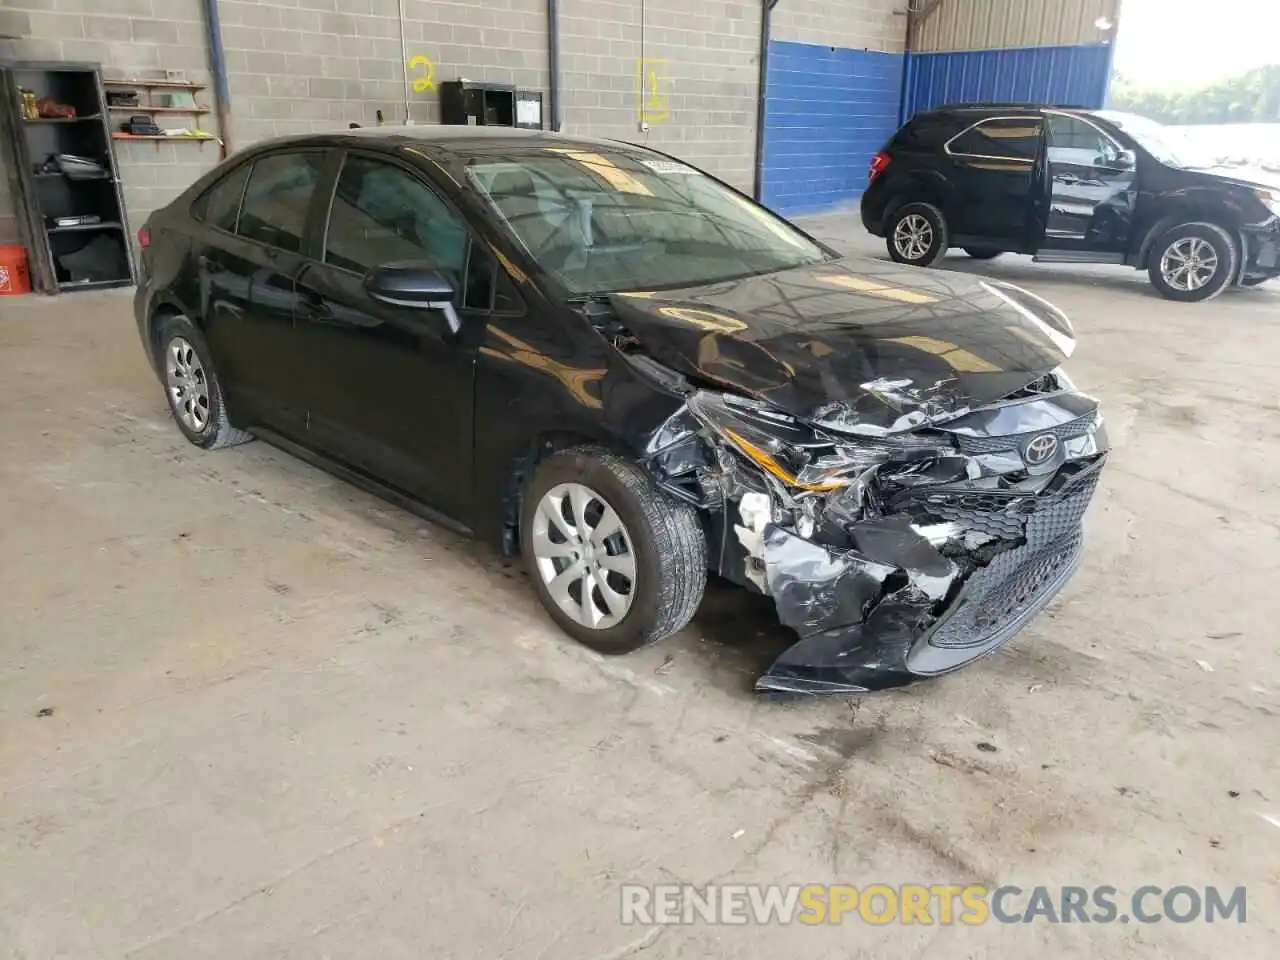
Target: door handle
317,311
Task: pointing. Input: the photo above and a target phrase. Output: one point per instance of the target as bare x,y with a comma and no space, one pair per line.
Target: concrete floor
291,721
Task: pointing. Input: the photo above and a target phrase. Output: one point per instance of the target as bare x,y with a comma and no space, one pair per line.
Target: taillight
878,163
144,238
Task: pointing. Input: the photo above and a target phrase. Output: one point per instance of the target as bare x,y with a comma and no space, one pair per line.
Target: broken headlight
805,459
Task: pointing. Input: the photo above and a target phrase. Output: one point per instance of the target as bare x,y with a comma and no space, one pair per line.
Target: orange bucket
13,270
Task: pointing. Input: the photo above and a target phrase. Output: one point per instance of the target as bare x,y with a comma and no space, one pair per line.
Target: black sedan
610,362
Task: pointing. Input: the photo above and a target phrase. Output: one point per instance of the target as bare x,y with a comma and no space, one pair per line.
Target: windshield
1167,145
603,220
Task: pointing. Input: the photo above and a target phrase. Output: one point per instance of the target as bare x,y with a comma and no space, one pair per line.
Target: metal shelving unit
85,255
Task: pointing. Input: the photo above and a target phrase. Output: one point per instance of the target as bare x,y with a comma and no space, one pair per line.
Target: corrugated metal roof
1004,24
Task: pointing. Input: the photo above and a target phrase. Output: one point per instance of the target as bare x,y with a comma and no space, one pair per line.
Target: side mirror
1125,160
413,284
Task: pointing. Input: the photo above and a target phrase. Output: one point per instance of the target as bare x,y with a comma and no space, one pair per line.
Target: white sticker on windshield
665,167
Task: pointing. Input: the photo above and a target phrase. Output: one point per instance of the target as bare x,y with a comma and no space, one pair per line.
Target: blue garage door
827,111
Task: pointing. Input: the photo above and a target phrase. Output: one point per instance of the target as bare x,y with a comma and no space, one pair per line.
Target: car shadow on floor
732,639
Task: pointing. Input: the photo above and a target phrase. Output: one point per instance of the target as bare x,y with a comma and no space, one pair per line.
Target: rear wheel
1193,262
616,562
917,234
192,387
982,253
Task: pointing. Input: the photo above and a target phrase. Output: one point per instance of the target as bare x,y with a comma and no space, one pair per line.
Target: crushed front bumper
901,609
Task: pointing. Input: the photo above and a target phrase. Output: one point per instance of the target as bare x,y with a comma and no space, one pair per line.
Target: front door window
1090,183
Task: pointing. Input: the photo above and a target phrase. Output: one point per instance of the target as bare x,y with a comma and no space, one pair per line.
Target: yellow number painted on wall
426,78
651,87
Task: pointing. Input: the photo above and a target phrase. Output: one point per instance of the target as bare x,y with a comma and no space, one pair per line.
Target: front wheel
917,234
1193,262
616,562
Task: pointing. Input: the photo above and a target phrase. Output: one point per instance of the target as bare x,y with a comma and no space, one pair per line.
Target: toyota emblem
1040,449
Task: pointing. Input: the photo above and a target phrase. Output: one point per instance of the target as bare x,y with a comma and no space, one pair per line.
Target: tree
1252,97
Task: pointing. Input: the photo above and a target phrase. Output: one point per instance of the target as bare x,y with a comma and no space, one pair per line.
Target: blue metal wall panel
827,111
1076,76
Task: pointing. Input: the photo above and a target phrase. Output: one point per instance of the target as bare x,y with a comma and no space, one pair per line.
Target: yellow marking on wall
426,78
651,89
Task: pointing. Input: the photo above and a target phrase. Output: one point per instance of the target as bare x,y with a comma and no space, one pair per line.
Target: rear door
389,389
1090,187
247,267
992,164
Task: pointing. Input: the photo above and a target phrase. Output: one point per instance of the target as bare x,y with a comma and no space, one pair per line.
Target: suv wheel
917,234
617,563
1193,262
191,386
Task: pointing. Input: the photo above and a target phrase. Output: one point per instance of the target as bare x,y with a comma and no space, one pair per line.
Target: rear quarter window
926,132
219,206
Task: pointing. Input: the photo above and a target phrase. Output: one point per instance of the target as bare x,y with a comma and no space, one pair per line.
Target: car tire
658,539
192,387
1203,246
917,234
981,253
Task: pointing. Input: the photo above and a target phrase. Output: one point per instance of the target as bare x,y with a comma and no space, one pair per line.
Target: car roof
997,106
463,140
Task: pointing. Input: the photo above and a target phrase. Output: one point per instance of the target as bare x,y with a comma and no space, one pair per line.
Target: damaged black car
630,374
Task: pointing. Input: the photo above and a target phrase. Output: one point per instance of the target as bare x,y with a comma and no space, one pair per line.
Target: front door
992,164
1090,188
389,388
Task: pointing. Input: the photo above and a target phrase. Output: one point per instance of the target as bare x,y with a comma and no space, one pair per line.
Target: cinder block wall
129,41
686,68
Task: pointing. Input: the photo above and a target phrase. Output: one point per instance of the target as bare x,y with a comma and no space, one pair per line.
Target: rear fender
925,186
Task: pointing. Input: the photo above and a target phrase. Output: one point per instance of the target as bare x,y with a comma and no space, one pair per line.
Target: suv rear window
1002,138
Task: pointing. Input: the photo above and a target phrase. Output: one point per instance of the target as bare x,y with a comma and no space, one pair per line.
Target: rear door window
1000,138
276,201
219,206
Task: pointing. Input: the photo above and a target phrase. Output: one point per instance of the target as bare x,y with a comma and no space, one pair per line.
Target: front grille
1017,580
1012,585
1012,516
1012,442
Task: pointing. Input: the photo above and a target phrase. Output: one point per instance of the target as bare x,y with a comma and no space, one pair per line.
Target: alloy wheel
913,236
584,555
187,384
1188,264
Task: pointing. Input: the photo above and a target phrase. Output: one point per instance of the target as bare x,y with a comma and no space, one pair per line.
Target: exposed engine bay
904,527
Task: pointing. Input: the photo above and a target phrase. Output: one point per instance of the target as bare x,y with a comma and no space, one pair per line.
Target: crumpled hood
867,345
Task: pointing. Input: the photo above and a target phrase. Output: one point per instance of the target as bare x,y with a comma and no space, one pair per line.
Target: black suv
1072,186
